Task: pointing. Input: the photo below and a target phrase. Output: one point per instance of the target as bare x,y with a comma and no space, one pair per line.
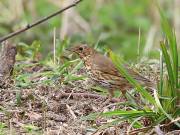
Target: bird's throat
87,62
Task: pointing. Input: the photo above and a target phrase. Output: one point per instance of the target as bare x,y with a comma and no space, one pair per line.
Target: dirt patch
57,110
43,109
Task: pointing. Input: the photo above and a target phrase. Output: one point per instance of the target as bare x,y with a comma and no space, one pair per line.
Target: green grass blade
74,70
161,74
175,60
168,63
162,110
128,114
123,71
171,38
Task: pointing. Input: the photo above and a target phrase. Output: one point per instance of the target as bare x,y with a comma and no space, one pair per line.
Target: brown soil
50,110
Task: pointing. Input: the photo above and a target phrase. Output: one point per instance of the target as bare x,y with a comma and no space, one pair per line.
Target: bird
104,73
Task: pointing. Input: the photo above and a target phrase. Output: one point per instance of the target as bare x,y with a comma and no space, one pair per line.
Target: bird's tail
142,80
148,84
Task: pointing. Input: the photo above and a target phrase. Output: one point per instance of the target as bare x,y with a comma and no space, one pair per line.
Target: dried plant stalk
7,61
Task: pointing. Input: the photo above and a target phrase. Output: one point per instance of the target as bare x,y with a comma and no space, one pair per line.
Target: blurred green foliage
115,23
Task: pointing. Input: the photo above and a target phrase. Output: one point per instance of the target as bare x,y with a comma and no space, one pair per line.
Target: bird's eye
80,48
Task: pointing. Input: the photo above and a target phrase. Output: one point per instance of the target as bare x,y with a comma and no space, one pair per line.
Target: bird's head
83,50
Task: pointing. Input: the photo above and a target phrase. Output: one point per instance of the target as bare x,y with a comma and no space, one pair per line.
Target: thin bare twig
143,129
29,26
86,95
71,112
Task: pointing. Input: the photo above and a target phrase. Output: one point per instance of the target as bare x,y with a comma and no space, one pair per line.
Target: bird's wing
105,65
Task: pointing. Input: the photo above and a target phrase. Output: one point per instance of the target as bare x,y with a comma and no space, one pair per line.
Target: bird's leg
123,97
109,98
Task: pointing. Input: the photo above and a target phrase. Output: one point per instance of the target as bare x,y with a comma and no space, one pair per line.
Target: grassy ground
37,105
50,92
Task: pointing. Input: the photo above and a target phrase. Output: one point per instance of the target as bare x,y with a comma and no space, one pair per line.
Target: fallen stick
86,95
61,95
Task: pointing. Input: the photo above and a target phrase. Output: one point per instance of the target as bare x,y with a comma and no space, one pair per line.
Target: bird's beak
70,49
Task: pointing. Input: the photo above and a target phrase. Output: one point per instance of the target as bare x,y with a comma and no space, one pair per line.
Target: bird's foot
123,99
106,102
